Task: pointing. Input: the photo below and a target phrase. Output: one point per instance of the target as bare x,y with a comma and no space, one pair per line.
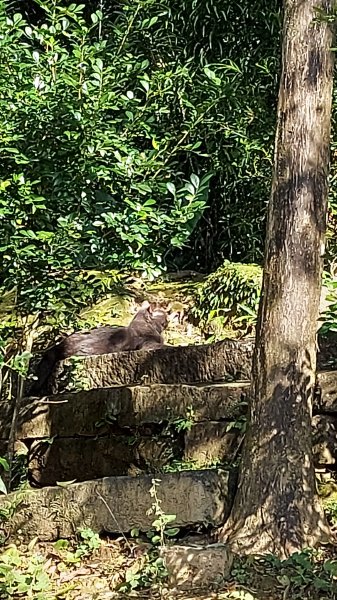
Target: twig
114,518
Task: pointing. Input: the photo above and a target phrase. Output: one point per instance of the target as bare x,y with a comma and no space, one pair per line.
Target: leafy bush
84,178
231,293
116,125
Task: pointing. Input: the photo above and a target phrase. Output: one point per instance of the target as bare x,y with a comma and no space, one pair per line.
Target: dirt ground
120,569
100,575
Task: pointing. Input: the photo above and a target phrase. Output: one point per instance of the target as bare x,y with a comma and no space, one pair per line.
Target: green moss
113,310
173,291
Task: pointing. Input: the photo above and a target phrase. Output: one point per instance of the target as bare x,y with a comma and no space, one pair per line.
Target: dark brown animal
143,333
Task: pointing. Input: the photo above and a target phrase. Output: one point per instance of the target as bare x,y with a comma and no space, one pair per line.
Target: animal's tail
44,370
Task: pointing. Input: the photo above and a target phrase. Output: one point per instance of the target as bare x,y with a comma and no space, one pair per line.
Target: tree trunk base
254,535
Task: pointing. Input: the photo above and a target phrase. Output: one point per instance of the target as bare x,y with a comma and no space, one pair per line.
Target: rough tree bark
276,509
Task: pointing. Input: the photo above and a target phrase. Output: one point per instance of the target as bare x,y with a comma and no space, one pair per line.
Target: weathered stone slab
176,364
117,504
209,442
205,444
90,412
324,440
197,567
227,359
82,459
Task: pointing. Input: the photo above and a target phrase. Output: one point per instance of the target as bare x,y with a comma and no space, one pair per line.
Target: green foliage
328,318
176,466
184,423
87,174
300,571
148,574
88,543
309,574
19,363
230,294
237,46
239,424
330,507
24,576
77,375
117,122
8,509
328,494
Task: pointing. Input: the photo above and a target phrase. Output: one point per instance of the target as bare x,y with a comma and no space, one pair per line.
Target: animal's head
152,314
159,315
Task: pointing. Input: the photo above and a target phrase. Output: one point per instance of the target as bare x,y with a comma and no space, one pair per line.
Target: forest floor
46,571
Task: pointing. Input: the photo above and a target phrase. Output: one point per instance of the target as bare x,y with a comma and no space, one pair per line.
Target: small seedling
89,542
184,423
23,576
152,569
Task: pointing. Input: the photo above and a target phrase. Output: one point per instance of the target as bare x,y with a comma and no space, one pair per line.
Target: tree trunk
276,509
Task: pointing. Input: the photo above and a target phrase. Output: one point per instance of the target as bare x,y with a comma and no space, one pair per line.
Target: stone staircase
113,422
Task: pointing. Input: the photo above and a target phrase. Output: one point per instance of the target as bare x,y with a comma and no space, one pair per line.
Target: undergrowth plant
328,319
308,574
151,571
184,423
24,576
87,543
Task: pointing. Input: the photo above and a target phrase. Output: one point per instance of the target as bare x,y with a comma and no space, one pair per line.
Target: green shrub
230,294
85,174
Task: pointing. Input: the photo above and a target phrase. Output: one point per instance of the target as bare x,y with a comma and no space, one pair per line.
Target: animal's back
144,332
101,340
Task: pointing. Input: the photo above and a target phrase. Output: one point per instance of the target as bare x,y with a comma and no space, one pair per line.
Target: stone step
116,431
224,360
87,413
204,444
212,442
85,458
205,567
118,504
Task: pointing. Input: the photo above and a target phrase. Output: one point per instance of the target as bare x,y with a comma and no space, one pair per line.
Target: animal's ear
146,306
